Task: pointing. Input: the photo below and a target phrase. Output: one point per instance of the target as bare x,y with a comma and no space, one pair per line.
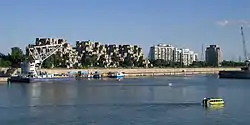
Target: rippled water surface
140,101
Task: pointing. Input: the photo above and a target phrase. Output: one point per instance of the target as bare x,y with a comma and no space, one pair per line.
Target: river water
137,101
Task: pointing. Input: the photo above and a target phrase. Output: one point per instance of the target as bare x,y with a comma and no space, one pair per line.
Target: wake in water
185,104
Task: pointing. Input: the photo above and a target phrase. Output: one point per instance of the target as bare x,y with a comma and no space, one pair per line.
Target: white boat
89,76
118,75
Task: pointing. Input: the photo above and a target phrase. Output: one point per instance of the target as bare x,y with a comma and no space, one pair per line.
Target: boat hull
234,74
51,79
31,80
19,80
116,76
97,76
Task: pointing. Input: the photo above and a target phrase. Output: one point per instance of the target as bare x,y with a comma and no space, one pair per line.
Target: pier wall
139,71
148,71
3,79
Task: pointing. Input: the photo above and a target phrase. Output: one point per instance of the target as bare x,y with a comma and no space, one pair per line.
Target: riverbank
148,71
3,79
141,71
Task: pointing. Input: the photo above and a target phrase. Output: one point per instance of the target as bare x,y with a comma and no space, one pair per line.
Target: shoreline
136,72
148,71
3,80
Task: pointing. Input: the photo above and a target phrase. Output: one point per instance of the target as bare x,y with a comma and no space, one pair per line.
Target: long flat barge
234,74
244,73
20,79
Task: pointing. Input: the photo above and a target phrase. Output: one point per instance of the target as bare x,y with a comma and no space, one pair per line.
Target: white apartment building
170,53
188,57
162,51
177,55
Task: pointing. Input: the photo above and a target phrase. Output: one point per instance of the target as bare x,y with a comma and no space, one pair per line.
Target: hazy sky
184,23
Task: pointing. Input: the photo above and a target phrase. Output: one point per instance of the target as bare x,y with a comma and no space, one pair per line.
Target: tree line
13,59
164,63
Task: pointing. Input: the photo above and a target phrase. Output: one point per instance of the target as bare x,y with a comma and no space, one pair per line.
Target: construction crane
39,58
244,44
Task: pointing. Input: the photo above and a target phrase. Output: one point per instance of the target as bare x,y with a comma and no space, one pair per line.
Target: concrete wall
3,79
142,70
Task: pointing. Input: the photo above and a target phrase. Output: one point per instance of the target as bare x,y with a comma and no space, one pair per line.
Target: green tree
17,57
101,61
86,61
48,63
232,63
5,60
64,60
198,64
178,64
135,62
57,59
115,58
94,60
141,61
4,63
128,62
162,63
158,62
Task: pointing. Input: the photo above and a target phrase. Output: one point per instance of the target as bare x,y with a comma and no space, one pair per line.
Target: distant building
162,51
178,54
112,53
170,53
188,57
213,55
85,51
88,53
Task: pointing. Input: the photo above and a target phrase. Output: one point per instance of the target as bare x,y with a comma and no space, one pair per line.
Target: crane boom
244,44
39,58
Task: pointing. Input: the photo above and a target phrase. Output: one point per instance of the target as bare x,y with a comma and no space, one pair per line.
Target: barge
244,73
29,74
25,79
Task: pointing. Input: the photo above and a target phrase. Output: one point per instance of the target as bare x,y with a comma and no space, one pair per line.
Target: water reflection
35,93
43,93
215,107
212,88
151,95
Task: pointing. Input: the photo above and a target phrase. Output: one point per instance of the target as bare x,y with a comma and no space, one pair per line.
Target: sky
182,23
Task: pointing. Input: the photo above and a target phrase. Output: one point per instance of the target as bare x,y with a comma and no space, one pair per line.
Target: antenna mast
202,52
244,44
